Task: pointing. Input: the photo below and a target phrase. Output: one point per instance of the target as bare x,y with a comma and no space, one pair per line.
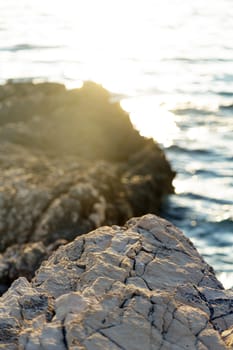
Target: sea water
170,63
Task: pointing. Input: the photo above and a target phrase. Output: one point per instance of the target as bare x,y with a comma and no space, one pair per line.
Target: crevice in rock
210,306
150,313
198,333
146,283
221,316
169,325
83,248
64,336
141,230
123,304
113,341
146,250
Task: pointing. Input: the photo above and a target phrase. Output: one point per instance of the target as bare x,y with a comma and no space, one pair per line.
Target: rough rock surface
141,286
70,162
23,260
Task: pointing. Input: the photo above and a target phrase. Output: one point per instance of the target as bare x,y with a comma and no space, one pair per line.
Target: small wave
192,111
215,233
196,151
226,107
207,173
205,198
225,93
212,173
25,47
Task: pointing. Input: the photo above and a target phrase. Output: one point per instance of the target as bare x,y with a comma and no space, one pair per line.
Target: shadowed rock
141,286
71,161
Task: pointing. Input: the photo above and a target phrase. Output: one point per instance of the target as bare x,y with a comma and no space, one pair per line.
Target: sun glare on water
151,119
114,34
116,44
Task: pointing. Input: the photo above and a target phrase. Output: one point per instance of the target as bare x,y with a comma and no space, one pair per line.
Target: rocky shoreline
70,162
140,286
73,274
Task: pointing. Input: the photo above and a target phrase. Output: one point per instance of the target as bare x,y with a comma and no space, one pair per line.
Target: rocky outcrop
82,122
70,162
141,286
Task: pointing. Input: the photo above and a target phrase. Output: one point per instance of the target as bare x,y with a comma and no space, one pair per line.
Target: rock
23,260
70,162
80,122
140,286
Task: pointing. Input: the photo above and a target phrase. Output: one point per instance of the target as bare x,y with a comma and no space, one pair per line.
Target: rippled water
171,64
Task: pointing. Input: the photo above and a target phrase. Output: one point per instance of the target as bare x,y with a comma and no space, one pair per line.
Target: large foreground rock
141,286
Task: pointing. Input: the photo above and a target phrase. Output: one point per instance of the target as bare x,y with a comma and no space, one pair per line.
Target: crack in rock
105,291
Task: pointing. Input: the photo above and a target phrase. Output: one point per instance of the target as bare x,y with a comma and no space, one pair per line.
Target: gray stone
104,291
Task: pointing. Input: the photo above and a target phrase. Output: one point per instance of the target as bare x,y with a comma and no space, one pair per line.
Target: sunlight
109,35
99,41
151,119
181,186
169,65
106,36
74,84
226,278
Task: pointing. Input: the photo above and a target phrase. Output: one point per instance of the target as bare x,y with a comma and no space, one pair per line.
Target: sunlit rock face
140,286
70,162
81,122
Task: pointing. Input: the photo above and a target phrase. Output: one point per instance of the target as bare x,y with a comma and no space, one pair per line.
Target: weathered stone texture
141,286
70,162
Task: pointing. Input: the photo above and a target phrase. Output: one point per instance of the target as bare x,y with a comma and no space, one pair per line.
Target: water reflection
152,119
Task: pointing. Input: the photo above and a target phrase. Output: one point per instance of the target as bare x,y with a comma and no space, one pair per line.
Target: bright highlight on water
171,65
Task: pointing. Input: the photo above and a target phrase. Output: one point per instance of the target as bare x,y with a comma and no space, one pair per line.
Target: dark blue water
203,206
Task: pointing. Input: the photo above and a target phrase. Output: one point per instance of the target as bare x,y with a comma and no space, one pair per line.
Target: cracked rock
70,162
105,291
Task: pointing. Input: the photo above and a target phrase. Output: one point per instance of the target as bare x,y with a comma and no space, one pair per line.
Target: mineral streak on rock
141,286
70,162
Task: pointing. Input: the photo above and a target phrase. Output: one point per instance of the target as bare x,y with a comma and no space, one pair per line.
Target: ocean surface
170,63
